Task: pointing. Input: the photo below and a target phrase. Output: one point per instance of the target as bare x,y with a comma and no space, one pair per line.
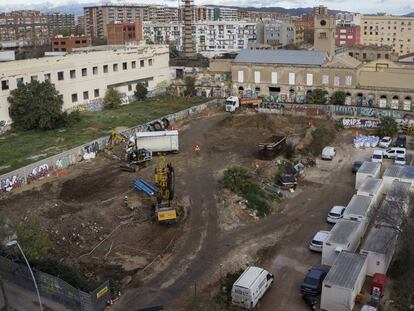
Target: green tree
35,105
190,86
33,239
388,127
338,98
112,99
141,91
318,97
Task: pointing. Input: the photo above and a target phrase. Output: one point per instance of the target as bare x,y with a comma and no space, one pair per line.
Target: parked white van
391,153
328,153
250,287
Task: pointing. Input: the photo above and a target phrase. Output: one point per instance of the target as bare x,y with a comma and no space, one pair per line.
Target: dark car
356,166
287,182
401,142
312,284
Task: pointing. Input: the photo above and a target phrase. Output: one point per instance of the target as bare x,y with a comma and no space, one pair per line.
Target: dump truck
234,102
271,148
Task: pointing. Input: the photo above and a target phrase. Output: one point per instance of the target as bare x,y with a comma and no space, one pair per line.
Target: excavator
162,193
135,157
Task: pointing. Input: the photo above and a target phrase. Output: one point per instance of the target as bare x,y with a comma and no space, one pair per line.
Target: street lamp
13,243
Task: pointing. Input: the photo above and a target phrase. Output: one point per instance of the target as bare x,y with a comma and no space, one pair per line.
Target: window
337,81
74,98
95,70
150,62
124,66
72,74
19,81
364,55
291,78
105,68
240,76
96,92
257,77
84,72
115,67
141,63
85,95
47,76
77,42
348,80
129,87
60,75
84,41
133,64
5,85
274,77
325,79
33,78
309,79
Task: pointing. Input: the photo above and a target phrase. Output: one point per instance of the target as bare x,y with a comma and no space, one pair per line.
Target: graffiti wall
359,123
56,165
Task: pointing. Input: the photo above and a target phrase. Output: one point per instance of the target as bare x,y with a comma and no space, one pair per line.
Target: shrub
141,91
321,136
338,98
112,99
388,127
318,97
289,151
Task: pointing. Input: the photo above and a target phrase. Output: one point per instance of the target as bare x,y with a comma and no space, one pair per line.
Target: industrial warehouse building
85,75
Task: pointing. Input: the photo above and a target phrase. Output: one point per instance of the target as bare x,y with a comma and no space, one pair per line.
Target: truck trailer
367,169
343,282
372,187
159,141
345,236
359,208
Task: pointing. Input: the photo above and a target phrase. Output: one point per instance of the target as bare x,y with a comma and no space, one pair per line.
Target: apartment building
347,35
23,28
66,44
369,53
249,15
382,29
275,32
348,19
161,13
121,33
85,75
209,38
98,17
60,22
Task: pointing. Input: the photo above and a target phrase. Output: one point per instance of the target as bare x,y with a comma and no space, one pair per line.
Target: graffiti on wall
39,172
90,150
90,105
359,123
10,183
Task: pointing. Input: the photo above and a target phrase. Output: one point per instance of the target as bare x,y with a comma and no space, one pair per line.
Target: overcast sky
364,6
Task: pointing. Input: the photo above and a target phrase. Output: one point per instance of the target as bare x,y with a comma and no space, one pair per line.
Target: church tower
325,28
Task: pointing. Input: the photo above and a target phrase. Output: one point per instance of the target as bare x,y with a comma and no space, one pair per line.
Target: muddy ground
93,230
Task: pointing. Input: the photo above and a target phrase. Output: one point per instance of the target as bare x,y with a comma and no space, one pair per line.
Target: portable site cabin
158,141
391,214
343,282
345,236
359,208
367,169
399,192
379,248
372,187
398,173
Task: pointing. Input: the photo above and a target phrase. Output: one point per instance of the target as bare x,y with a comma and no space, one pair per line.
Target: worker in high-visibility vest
197,149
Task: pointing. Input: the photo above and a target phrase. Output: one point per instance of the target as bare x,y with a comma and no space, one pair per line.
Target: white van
392,152
250,287
328,153
377,156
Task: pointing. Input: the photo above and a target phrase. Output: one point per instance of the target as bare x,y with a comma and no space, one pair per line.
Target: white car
400,160
391,153
377,156
317,241
385,142
336,213
328,153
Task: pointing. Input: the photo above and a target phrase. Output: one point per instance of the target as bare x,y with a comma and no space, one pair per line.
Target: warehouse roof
343,230
381,240
285,57
359,205
345,270
369,167
370,185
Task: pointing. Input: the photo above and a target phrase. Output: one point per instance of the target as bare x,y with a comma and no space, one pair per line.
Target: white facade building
209,37
83,77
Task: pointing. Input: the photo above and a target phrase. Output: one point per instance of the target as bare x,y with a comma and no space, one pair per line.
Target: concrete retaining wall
57,164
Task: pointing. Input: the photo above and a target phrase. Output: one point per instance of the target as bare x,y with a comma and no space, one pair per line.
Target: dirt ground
92,229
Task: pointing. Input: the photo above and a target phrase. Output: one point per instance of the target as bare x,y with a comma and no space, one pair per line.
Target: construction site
160,223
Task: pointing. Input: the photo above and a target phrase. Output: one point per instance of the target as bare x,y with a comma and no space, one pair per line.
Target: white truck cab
250,287
232,103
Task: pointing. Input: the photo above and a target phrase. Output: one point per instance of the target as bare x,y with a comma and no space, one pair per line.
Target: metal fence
55,288
57,164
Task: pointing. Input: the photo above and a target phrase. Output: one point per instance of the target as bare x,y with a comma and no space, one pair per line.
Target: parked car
356,166
317,241
312,284
337,212
385,142
377,156
287,182
328,153
392,152
400,160
401,142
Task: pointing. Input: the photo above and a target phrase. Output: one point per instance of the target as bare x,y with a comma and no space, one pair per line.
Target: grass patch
321,137
238,180
17,148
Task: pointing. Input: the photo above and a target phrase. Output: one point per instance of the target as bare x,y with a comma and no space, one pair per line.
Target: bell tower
325,28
